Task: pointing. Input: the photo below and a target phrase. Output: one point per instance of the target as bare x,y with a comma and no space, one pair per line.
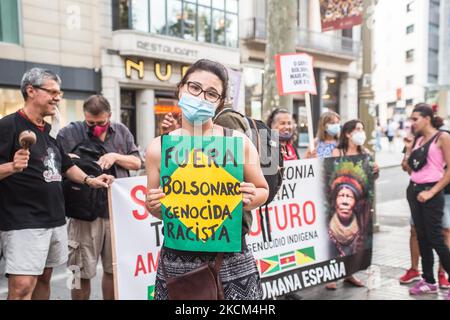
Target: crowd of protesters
42,225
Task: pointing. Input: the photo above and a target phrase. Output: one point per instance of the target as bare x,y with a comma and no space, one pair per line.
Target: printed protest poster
295,73
340,14
136,240
349,186
201,177
297,242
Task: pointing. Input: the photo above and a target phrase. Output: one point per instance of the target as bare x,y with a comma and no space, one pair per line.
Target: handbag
418,158
202,283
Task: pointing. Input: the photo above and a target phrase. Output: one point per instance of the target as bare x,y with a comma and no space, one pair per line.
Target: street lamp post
366,95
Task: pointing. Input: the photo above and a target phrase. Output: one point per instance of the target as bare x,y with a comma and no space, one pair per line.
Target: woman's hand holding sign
248,191
153,201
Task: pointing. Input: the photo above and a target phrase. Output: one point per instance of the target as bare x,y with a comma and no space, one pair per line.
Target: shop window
330,89
189,16
211,21
157,18
128,110
204,24
232,30
163,106
9,21
218,27
174,18
121,14
11,100
410,55
410,29
139,15
409,79
218,4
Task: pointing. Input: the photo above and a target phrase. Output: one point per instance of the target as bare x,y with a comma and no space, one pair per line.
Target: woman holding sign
351,143
201,91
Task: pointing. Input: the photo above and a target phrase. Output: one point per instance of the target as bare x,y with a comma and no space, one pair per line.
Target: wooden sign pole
310,122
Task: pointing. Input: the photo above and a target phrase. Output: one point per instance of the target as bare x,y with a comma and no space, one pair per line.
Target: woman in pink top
425,194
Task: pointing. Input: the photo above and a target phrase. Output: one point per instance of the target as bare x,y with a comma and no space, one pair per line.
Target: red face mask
97,130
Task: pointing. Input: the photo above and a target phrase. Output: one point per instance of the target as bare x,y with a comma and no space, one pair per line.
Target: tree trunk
281,36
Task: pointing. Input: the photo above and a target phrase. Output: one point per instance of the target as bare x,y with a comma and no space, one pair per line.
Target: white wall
390,45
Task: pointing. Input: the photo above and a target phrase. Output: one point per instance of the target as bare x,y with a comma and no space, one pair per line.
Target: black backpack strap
227,132
269,232
256,141
261,221
265,223
162,136
437,136
414,142
429,142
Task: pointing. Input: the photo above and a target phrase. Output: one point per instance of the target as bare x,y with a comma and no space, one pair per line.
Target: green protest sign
201,177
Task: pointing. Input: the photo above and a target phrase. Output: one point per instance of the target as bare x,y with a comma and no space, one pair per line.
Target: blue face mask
333,129
196,110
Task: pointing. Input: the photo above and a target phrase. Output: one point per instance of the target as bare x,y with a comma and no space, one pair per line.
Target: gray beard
56,124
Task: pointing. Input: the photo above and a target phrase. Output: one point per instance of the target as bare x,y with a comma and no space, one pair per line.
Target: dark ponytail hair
426,110
215,68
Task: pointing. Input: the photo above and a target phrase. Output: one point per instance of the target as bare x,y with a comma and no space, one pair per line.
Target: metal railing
255,29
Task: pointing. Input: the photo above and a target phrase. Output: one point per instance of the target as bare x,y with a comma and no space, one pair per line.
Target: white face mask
333,129
359,138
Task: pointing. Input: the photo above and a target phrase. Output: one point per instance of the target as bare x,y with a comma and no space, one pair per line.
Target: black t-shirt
33,198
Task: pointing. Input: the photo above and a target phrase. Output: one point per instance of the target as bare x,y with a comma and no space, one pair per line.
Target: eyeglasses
100,123
196,90
53,93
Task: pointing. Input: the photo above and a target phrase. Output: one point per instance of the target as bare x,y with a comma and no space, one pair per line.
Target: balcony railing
255,29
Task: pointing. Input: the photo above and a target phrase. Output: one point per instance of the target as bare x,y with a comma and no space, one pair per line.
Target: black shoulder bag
418,158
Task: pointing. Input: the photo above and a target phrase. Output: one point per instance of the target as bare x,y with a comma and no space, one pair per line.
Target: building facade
406,54
337,62
63,36
152,44
135,52
440,94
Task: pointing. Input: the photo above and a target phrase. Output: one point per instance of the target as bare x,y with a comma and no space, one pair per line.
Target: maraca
26,139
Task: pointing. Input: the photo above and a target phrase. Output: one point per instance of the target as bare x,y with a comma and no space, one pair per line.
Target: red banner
340,14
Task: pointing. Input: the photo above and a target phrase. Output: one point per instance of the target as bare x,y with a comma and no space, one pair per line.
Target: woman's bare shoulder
154,148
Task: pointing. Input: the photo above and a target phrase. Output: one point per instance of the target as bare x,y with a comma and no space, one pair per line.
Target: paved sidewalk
390,156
